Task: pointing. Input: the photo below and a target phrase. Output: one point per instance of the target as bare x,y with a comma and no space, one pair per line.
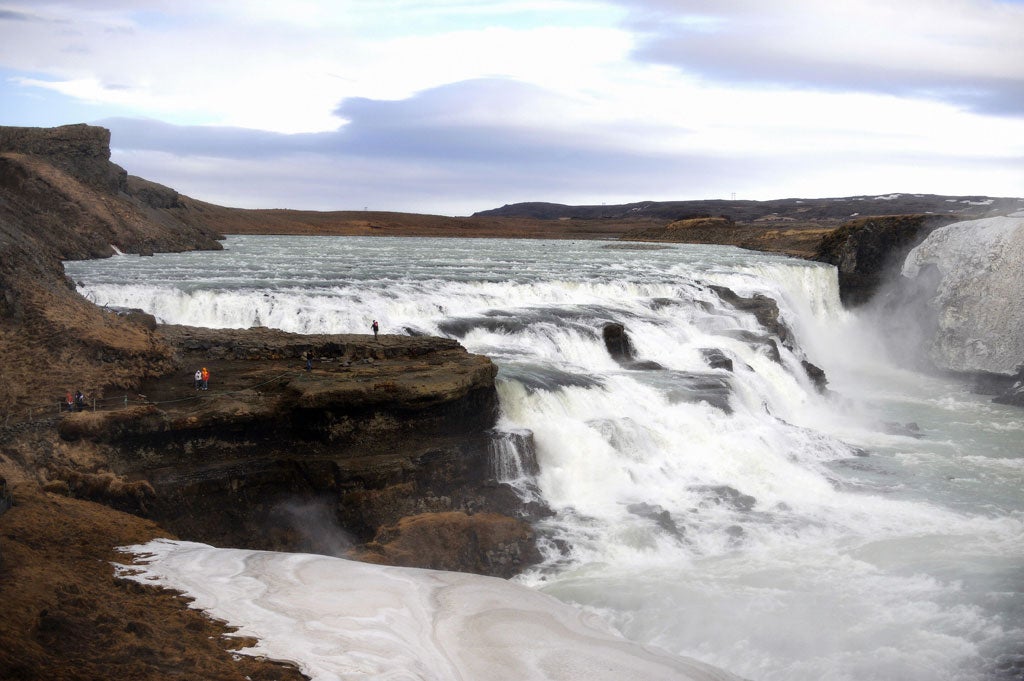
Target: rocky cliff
867,251
81,151
272,456
330,459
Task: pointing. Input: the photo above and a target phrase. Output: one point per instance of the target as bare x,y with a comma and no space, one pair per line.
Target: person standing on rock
309,360
375,328
198,382
206,378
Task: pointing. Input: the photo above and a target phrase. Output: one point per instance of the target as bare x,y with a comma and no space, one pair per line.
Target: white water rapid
733,515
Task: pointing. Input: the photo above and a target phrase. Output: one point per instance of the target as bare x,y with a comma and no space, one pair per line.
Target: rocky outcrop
82,151
275,456
867,250
766,311
58,202
616,341
272,456
798,239
484,543
1013,395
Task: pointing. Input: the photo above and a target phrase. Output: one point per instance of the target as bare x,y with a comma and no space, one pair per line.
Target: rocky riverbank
379,452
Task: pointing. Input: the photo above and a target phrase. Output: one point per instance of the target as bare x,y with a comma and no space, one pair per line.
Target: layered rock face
82,151
386,438
867,250
380,445
975,273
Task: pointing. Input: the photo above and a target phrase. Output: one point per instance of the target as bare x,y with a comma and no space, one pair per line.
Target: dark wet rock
460,326
514,453
816,374
723,495
1014,395
759,341
644,365
716,359
659,515
865,250
910,429
714,389
764,309
616,340
536,378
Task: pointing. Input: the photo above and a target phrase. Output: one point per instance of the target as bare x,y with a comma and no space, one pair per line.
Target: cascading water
724,509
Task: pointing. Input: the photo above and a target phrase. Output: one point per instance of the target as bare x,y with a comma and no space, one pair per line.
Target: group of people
74,403
201,380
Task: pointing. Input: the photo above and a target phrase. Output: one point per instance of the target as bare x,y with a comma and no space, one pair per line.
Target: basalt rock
1013,395
483,543
82,151
275,456
816,374
616,340
866,250
764,309
716,359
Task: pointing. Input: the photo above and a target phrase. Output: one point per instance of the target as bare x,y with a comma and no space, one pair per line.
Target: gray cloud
11,15
455,150
421,154
778,44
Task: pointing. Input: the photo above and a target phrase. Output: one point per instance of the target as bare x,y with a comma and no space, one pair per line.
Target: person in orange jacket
206,378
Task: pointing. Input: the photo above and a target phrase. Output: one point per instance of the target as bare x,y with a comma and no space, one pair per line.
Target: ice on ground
340,619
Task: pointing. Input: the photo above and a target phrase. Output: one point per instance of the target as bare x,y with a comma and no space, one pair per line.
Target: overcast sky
455,106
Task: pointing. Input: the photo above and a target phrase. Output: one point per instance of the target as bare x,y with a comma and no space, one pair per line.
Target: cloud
457,105
967,52
482,143
453,149
11,15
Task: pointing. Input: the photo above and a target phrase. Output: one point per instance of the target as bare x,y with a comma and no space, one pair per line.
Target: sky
455,106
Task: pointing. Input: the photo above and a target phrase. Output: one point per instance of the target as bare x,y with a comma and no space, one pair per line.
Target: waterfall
709,497
975,297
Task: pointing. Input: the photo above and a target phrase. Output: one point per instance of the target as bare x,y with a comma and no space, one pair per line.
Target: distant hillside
804,210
